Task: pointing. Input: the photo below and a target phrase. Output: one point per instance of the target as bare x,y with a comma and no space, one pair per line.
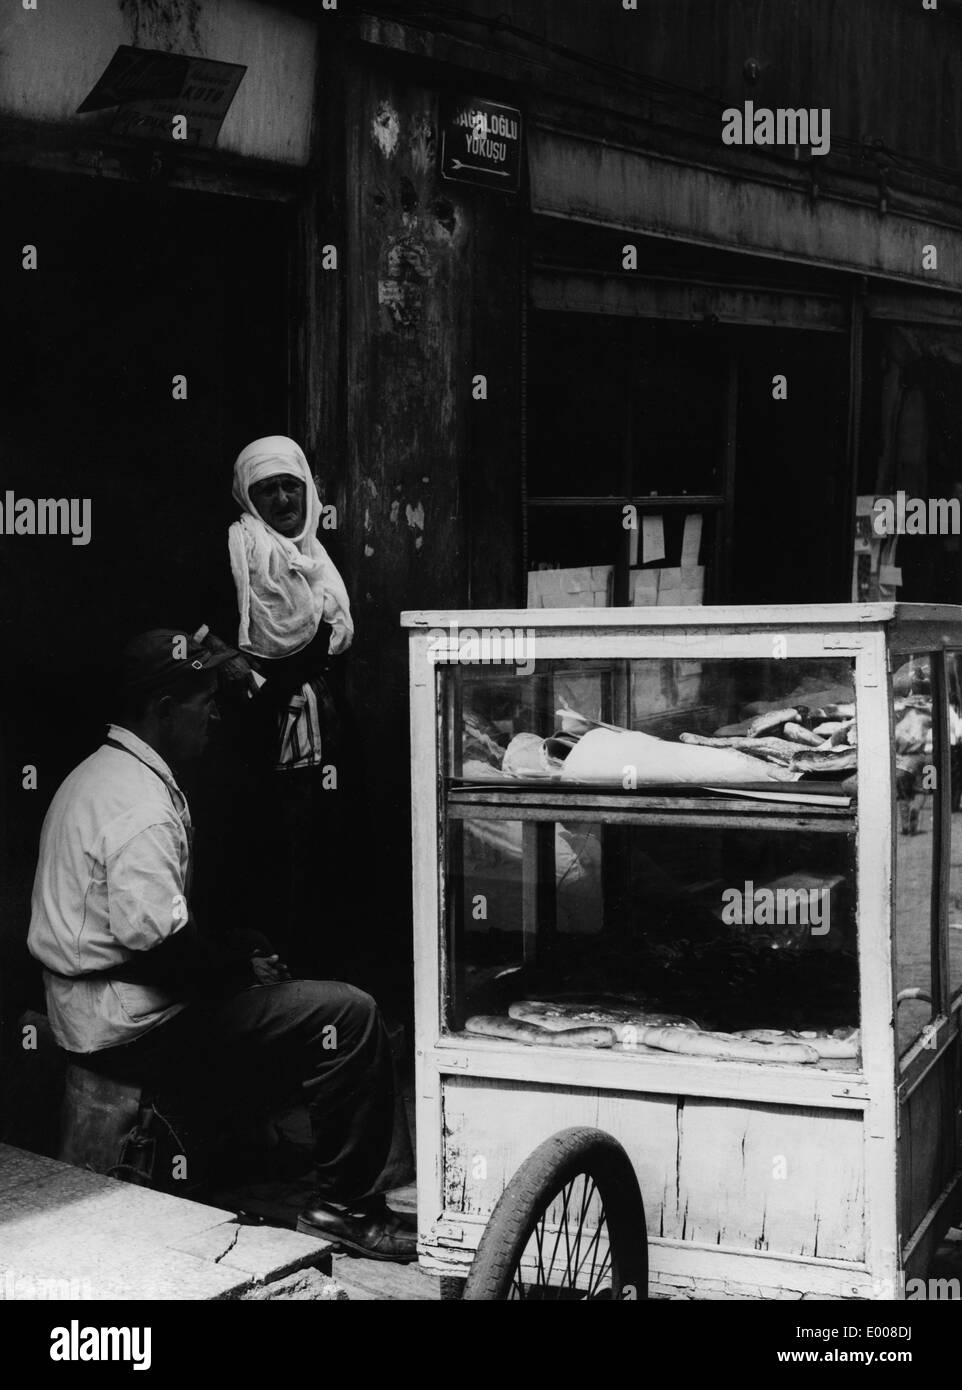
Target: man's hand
269,970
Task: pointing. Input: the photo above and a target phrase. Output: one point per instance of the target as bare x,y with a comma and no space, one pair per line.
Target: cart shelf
660,806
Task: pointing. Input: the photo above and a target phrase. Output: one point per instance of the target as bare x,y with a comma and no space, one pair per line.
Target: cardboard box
587,587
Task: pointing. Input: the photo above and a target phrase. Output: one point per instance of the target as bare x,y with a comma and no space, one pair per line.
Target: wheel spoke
539,1242
566,1193
569,1191
605,1268
593,1248
588,1193
594,1281
586,1202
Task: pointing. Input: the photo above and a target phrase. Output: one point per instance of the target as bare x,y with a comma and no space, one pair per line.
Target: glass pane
782,712
915,842
573,537
954,673
567,537
658,394
572,450
585,895
680,385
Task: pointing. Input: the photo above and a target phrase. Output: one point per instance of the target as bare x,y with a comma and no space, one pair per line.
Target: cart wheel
451,1288
570,1225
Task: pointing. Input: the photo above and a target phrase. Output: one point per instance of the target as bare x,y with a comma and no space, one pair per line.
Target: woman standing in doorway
294,621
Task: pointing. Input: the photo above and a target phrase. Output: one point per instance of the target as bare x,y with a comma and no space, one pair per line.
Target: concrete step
74,1234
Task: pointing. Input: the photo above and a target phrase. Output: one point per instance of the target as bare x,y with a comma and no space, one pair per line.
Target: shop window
584,891
911,428
626,459
665,451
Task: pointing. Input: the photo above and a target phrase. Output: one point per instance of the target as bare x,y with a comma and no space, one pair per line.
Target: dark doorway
134,286
791,539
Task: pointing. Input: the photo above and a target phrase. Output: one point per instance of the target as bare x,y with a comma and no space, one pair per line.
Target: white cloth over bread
634,759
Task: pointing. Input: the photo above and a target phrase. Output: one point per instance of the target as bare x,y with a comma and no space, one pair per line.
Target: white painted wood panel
709,1170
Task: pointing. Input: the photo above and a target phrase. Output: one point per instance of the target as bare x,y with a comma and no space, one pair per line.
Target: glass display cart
688,944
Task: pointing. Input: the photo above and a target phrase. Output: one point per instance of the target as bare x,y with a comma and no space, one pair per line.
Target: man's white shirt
111,881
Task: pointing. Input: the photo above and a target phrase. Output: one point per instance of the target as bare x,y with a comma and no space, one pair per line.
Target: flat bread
726,1046
497,1026
625,1021
841,1044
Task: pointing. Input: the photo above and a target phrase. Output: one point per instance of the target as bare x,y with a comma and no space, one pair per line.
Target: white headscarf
285,584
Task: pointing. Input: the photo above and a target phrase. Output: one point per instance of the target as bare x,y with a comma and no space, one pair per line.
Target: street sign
151,89
480,142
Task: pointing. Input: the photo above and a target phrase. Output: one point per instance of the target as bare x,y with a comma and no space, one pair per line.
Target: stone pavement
91,1237
68,1233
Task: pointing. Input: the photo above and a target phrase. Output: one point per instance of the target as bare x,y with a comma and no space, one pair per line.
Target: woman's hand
237,671
341,638
240,675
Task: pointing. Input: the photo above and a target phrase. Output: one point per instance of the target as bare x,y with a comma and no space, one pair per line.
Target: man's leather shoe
377,1234
405,1220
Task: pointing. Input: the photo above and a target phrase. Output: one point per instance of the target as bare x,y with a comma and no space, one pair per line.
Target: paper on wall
585,587
644,588
692,584
691,540
669,586
652,539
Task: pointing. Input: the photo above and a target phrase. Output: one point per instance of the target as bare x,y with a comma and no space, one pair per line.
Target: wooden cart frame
874,1156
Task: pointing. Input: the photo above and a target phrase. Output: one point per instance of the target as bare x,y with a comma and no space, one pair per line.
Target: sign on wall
152,89
480,142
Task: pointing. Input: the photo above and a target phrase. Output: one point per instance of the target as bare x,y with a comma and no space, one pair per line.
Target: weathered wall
432,290
888,69
51,57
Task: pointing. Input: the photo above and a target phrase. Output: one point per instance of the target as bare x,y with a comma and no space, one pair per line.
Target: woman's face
280,502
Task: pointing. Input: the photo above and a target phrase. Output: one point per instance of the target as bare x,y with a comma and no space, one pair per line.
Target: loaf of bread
497,1026
840,1045
623,1020
725,1046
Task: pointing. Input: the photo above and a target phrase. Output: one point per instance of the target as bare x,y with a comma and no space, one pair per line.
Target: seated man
135,990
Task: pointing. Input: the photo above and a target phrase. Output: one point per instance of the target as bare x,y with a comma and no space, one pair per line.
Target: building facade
668,358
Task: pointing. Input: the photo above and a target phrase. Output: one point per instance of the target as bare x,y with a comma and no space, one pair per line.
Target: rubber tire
542,1175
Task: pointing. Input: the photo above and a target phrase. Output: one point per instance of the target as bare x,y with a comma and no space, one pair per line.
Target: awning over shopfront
657,297
651,194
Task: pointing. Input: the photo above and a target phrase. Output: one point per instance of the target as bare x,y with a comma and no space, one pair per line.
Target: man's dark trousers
319,1041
